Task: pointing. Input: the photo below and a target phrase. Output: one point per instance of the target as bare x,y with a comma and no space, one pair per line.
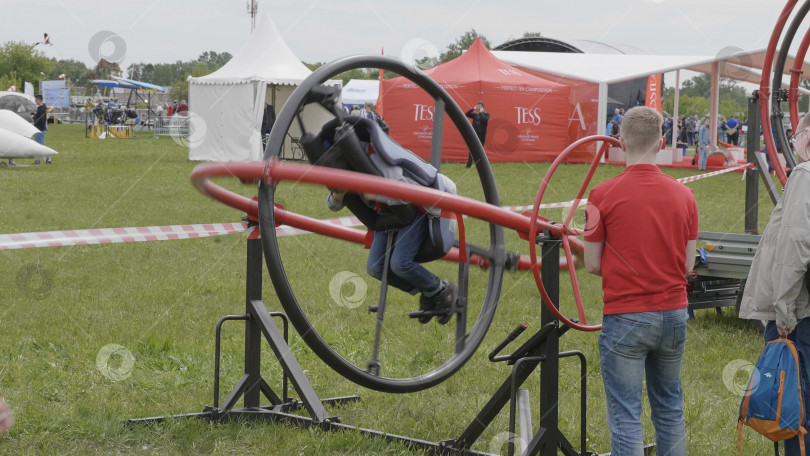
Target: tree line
694,98
21,62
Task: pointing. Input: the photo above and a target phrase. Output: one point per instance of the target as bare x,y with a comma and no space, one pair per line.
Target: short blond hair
641,130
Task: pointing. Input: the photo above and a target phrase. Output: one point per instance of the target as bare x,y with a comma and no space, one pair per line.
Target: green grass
161,301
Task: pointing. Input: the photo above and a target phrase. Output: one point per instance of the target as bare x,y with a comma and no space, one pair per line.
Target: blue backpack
772,404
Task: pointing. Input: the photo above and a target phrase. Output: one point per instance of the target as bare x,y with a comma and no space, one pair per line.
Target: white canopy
604,69
359,91
612,68
227,105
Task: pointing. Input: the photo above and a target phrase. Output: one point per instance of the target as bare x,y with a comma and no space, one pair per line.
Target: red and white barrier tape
686,180
172,232
116,235
545,205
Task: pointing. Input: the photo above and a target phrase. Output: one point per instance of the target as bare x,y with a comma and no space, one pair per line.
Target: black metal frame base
251,386
540,350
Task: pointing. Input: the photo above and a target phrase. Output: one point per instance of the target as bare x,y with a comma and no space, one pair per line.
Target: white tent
359,91
604,69
226,106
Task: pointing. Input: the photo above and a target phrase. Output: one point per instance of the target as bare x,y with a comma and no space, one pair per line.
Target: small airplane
15,142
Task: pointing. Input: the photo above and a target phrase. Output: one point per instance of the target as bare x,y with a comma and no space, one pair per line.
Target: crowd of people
728,130
174,108
692,132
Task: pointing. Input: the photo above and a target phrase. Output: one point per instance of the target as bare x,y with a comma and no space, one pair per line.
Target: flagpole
252,7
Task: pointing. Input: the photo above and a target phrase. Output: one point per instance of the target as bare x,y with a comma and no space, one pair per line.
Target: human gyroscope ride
357,139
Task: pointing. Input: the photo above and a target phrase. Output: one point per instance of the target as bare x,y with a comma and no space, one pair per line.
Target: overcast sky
154,31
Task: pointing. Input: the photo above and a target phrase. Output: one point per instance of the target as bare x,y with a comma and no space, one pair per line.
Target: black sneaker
48,161
36,162
444,301
425,305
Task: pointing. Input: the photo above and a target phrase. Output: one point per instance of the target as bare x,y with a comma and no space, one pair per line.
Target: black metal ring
276,267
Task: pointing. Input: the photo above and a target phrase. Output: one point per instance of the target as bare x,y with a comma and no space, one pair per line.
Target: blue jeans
801,338
630,346
703,156
403,273
40,137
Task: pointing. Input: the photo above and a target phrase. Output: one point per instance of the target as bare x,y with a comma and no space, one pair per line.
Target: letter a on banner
654,92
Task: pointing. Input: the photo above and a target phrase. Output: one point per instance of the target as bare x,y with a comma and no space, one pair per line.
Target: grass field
65,309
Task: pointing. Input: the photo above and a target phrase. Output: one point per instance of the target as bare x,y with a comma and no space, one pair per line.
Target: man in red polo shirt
640,237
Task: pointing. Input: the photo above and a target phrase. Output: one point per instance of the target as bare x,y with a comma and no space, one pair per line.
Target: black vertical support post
253,334
752,176
463,289
438,134
550,368
374,364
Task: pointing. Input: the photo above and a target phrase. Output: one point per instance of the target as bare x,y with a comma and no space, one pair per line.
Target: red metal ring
764,91
565,231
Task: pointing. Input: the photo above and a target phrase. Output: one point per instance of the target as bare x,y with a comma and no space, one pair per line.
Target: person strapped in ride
640,236
359,144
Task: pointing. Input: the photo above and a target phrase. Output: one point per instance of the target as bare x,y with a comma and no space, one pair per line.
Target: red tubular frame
255,171
275,170
565,231
795,75
764,90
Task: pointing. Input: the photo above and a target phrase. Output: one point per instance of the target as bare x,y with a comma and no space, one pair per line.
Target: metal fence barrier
172,126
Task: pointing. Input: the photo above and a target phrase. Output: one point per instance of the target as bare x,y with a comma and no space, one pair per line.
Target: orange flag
654,92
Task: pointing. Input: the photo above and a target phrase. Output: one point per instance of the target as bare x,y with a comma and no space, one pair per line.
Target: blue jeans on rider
801,338
403,273
632,347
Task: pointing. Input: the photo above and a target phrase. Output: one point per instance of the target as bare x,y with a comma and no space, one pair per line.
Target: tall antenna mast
252,9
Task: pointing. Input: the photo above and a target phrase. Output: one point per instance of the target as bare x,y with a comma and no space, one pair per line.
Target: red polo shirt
645,219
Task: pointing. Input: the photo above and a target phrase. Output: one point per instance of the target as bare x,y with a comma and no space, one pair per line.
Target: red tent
528,115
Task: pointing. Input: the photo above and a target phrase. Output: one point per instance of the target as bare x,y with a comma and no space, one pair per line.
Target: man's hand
783,332
338,195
